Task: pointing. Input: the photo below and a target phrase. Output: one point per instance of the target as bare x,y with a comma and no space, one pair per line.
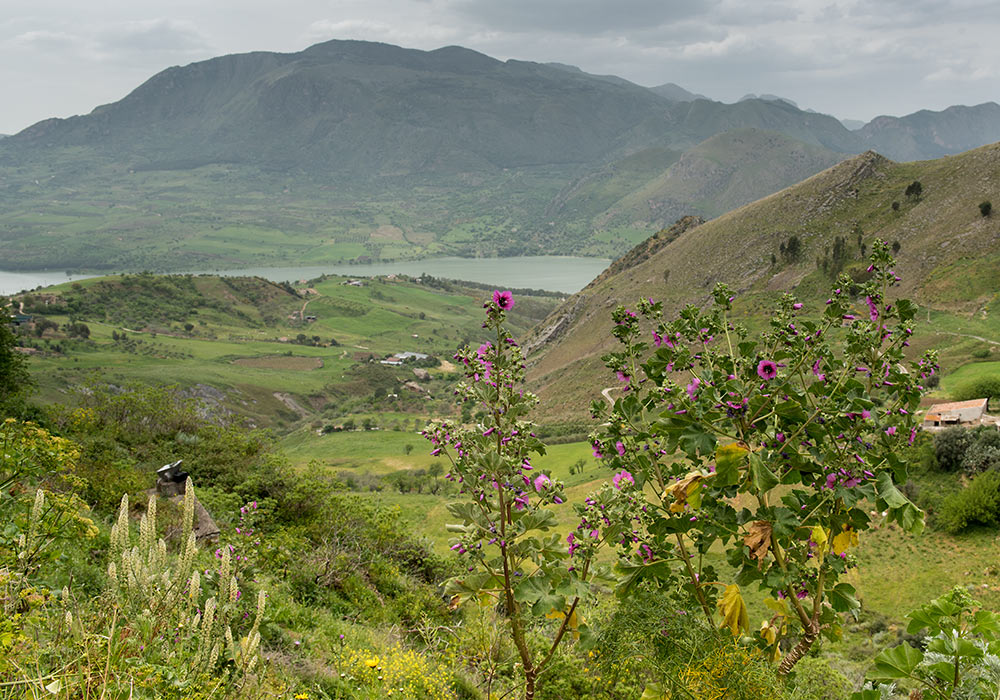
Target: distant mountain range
357,150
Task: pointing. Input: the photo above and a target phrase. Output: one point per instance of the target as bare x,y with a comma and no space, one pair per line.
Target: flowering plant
505,537
775,448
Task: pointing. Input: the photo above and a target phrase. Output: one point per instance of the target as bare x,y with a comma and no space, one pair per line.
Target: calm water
13,282
556,273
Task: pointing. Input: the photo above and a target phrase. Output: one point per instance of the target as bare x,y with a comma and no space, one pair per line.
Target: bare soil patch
280,362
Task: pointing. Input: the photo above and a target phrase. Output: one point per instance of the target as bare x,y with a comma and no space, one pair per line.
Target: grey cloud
584,17
156,35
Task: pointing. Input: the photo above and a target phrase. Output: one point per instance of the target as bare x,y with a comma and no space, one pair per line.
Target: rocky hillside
948,254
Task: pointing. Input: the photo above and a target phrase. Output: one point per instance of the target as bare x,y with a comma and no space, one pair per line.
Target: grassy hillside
252,347
948,255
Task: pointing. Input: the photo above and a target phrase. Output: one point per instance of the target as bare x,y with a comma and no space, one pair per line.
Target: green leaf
906,309
896,663
909,517
694,441
867,694
536,519
654,691
986,624
729,459
532,588
763,478
630,575
842,598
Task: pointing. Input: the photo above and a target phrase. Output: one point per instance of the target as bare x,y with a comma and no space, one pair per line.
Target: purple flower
521,502
621,476
692,388
913,434
872,309
541,482
483,349
505,300
767,369
620,447
797,306
891,430
622,377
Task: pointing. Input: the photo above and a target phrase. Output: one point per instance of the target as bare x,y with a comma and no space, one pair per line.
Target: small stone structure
171,483
965,413
170,480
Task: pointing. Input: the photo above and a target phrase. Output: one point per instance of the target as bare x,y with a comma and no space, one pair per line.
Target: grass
241,336
896,572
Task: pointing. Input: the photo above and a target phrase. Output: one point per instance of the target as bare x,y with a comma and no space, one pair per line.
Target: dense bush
969,451
976,504
648,642
987,387
950,446
984,451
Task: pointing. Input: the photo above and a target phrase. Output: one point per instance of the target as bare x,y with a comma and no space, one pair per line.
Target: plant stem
694,581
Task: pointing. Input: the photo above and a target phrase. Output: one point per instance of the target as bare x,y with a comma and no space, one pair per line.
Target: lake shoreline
557,273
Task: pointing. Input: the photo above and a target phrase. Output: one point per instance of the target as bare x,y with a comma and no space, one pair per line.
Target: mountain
767,97
927,134
676,93
948,258
655,187
852,124
359,108
357,151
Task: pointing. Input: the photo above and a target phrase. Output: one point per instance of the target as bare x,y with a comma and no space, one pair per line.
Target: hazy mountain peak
768,98
673,91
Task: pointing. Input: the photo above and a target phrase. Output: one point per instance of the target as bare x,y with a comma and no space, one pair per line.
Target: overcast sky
854,59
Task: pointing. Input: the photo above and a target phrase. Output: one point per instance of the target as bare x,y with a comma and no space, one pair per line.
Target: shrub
976,504
985,208
811,429
646,641
984,451
950,446
987,387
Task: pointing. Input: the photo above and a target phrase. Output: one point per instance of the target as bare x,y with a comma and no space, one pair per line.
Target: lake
559,273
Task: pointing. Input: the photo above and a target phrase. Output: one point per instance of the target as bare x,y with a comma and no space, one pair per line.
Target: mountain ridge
948,258
352,150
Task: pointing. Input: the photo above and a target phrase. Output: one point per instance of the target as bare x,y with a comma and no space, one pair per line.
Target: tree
895,206
914,190
950,446
14,378
985,208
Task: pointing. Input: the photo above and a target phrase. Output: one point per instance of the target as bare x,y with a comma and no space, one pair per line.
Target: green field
278,355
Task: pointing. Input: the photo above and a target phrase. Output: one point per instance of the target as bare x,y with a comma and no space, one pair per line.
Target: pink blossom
622,476
692,388
505,300
767,369
541,482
